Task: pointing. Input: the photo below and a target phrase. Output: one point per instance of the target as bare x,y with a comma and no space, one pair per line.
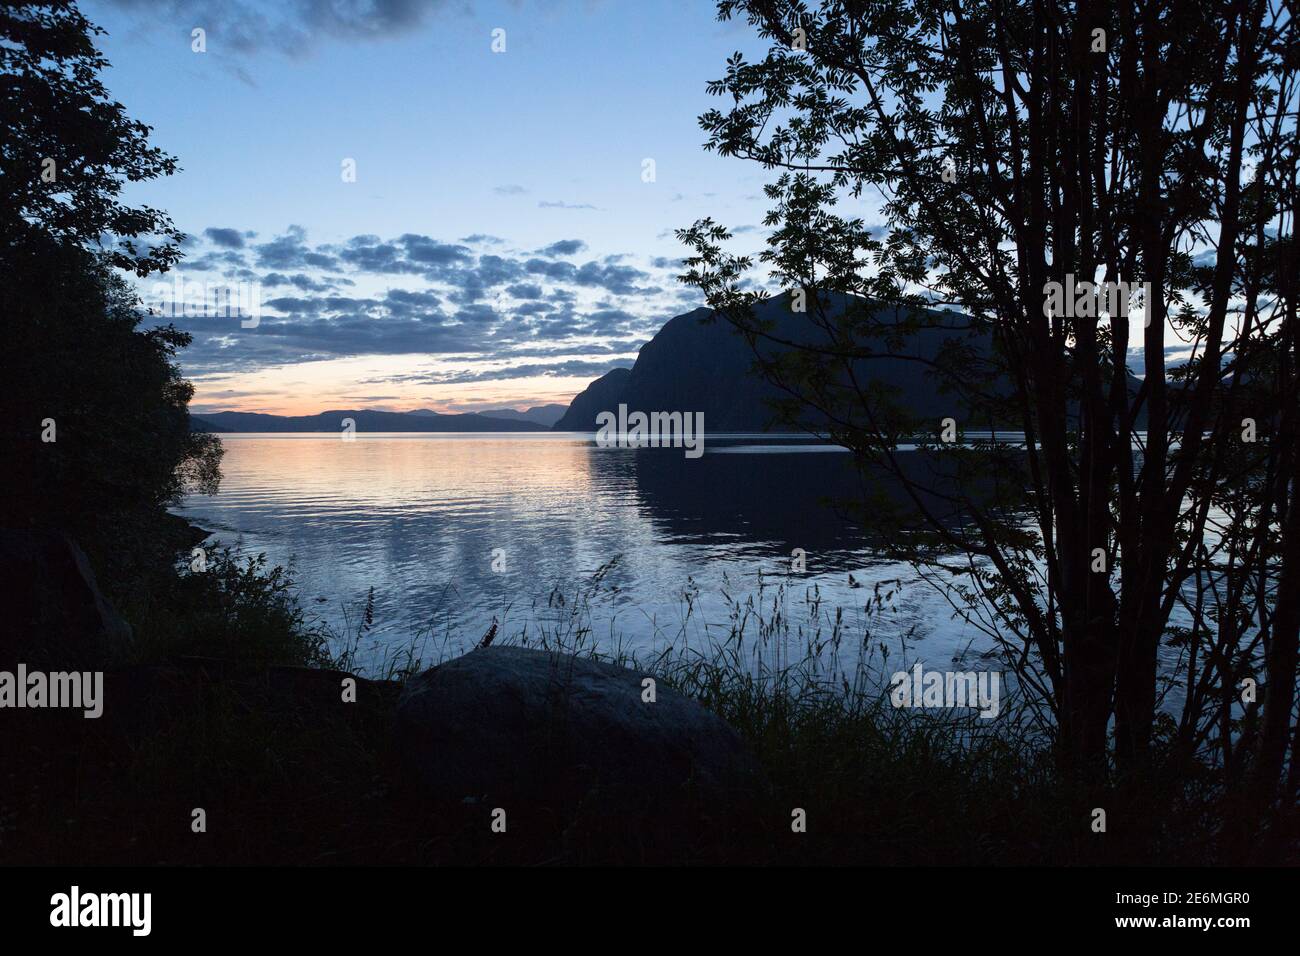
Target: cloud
564,205
509,189
565,247
525,290
616,279
304,282
226,238
295,29
415,294
213,261
422,249
570,368
291,251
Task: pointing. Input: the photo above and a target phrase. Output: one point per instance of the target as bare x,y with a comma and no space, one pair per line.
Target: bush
236,609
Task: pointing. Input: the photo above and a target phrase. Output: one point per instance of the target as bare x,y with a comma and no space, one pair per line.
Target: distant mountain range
366,421
544,415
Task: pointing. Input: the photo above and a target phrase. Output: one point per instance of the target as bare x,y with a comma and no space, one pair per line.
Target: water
637,549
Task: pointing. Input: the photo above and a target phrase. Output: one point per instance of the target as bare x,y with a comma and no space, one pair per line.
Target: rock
179,534
510,723
53,616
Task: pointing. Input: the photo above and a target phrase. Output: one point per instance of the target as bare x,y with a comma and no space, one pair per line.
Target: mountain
604,394
694,365
545,415
198,424
366,421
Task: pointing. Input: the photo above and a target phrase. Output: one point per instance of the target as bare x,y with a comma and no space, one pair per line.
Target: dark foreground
230,736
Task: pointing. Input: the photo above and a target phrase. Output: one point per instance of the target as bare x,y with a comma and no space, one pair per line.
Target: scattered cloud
565,247
296,29
544,204
501,313
226,238
572,368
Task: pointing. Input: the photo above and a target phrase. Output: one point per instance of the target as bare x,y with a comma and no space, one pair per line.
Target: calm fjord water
453,531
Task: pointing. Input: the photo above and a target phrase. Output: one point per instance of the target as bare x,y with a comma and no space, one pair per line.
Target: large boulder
52,615
535,727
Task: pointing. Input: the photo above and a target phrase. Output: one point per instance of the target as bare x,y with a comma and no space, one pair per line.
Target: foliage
236,609
96,422
54,109
1013,145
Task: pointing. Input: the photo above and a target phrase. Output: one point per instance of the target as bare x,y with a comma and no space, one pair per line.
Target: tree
96,420
1020,151
68,148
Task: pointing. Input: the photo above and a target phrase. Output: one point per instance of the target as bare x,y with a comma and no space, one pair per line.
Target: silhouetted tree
78,369
1014,145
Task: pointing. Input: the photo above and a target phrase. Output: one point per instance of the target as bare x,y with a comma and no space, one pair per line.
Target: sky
429,203
507,235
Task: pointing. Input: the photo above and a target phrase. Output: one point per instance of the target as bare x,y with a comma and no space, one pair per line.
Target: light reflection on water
419,516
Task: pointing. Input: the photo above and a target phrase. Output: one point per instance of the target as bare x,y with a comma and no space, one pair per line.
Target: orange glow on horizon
371,382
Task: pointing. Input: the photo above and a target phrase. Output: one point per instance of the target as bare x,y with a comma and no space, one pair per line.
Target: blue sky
500,244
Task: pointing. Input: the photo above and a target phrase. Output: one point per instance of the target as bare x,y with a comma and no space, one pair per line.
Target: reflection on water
424,518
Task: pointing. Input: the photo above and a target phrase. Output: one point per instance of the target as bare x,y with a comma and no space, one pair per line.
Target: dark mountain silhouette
695,364
601,395
200,424
366,421
545,415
